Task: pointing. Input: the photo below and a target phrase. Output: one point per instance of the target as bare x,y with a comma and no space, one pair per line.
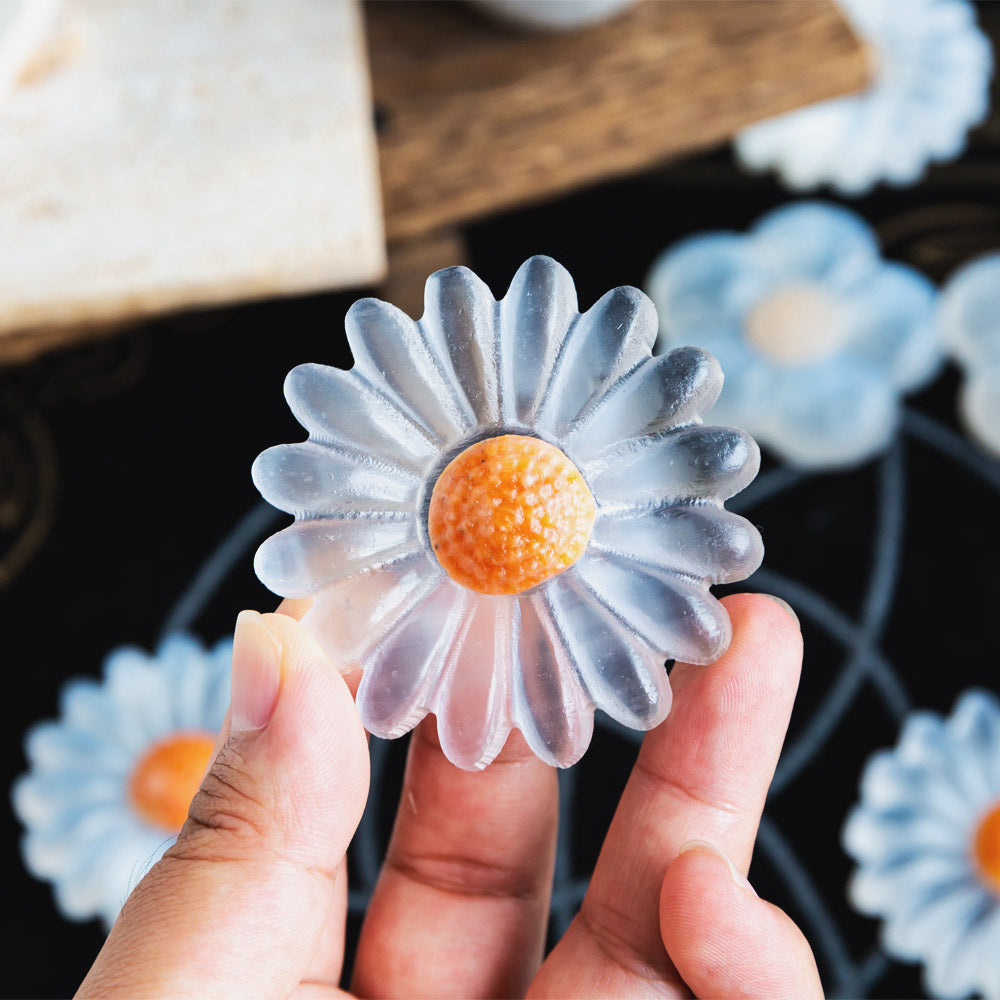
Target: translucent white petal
886,837
964,948
308,555
347,618
315,480
705,280
607,341
472,697
624,677
393,353
460,315
338,407
980,406
888,783
399,673
970,305
86,706
55,745
51,850
535,315
551,708
908,883
925,742
893,325
840,414
45,798
193,675
677,618
914,931
816,242
140,691
690,463
975,724
663,392
699,540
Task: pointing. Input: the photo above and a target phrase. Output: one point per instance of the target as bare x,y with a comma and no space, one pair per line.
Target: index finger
702,775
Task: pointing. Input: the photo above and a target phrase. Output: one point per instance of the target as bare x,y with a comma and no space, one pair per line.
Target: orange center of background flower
986,847
508,513
167,775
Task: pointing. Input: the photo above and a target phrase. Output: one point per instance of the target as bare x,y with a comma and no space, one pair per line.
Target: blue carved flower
926,837
931,71
970,320
110,780
817,334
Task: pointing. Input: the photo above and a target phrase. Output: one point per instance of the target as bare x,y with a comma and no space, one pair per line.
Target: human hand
251,901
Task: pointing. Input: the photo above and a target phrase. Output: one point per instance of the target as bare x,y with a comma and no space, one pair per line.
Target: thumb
238,905
724,940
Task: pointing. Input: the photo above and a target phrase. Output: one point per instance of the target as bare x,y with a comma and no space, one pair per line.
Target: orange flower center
165,778
508,513
986,847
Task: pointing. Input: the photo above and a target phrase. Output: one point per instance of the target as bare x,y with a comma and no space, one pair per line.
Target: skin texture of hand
251,901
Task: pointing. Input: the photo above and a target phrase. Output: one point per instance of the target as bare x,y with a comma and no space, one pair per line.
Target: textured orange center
165,778
986,847
508,513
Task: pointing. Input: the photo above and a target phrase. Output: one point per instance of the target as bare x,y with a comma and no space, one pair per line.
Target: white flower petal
137,687
460,315
893,325
843,414
969,311
975,723
980,406
902,886
551,708
195,676
51,850
315,480
663,392
677,618
350,616
816,242
86,706
887,837
624,677
926,743
689,463
398,674
309,555
392,352
607,341
965,947
535,314
914,931
338,407
888,783
472,697
699,540
52,797
50,746
706,280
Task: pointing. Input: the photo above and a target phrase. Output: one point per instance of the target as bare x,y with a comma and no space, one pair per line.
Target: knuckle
227,812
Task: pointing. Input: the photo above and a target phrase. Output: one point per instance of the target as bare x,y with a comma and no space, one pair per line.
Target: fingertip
725,940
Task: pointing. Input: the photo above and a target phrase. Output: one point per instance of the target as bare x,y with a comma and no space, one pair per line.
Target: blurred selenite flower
926,837
553,15
817,334
110,781
931,68
510,513
970,320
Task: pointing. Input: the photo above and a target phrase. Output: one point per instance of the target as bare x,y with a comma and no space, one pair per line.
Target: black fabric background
124,464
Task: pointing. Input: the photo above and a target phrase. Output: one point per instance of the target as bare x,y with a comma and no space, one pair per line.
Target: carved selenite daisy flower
509,513
926,838
111,779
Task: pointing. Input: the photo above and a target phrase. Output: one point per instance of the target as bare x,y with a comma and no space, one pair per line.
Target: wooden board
183,154
476,117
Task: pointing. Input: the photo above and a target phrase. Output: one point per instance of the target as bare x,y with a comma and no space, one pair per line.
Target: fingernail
734,873
256,673
786,606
